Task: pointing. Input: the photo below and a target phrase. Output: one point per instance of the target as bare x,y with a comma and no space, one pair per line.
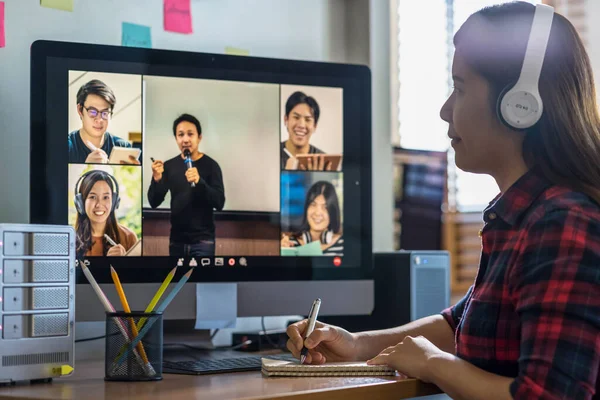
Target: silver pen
109,240
312,319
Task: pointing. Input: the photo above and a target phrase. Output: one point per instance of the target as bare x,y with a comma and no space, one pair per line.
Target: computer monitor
110,131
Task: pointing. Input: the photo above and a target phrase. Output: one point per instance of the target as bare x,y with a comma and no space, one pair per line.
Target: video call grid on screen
256,122
245,129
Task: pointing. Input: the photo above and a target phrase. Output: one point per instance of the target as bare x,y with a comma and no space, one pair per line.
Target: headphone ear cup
79,206
326,237
116,195
306,237
499,105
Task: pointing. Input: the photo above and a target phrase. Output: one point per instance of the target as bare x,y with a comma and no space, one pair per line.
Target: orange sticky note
178,16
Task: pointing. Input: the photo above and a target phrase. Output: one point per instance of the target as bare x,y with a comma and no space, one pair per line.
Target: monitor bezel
41,175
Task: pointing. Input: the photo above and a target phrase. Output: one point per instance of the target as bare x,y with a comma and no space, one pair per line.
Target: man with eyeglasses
92,143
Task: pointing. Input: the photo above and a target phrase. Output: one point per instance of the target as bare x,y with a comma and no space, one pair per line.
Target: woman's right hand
117,250
285,241
157,170
325,343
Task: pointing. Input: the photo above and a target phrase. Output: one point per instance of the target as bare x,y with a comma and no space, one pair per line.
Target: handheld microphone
188,161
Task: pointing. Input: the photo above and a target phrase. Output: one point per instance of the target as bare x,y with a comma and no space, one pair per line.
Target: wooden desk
88,383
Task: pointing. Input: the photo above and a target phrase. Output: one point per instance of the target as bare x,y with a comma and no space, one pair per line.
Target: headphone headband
78,199
521,107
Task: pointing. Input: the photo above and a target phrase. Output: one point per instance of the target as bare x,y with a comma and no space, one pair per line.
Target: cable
90,339
264,331
214,334
96,337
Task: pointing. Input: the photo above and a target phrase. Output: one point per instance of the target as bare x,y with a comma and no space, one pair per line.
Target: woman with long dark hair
321,221
529,326
96,199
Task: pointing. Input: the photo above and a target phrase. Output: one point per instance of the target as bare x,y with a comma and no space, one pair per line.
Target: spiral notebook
272,367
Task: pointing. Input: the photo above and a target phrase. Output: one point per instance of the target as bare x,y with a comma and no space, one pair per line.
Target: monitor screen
250,168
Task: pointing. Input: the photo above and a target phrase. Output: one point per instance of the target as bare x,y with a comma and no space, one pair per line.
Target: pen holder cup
143,360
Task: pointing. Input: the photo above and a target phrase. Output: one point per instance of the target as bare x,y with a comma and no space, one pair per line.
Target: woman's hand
409,357
117,250
325,343
285,241
336,237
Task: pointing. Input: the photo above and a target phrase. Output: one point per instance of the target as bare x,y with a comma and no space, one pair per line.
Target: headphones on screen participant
80,201
519,106
326,237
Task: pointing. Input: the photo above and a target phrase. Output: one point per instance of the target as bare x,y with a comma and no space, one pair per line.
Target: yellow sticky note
62,370
66,369
236,52
66,5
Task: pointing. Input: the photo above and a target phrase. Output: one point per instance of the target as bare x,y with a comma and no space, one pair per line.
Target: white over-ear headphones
326,237
520,106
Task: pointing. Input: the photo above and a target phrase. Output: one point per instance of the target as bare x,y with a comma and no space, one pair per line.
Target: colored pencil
126,308
160,308
108,307
157,296
153,302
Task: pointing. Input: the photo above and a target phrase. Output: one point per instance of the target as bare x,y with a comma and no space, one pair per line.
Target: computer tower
37,313
408,285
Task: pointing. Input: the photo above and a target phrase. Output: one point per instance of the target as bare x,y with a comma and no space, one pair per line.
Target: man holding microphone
195,181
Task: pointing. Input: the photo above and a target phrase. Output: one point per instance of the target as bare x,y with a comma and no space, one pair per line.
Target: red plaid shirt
533,312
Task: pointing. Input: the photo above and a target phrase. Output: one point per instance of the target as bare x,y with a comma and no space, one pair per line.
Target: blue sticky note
216,305
135,35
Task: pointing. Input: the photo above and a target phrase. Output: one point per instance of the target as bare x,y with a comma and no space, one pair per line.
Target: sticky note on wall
135,35
234,51
2,37
178,16
66,5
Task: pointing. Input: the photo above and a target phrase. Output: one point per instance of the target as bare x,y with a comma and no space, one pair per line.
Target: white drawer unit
37,301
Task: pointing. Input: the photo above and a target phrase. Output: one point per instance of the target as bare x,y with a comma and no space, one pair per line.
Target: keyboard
217,366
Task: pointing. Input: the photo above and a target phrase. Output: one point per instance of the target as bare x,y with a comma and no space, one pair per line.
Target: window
425,51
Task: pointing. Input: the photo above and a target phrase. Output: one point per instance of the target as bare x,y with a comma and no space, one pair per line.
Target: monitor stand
182,332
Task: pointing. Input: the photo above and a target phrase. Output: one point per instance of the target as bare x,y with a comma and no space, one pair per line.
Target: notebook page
272,367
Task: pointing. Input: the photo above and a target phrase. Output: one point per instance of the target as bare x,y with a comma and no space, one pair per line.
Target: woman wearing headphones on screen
98,232
321,222
529,327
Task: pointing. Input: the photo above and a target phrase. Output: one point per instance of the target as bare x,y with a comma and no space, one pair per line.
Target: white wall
127,114
383,197
240,131
268,28
592,10
328,135
321,30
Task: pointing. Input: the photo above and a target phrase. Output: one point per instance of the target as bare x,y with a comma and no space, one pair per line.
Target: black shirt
284,156
78,151
192,218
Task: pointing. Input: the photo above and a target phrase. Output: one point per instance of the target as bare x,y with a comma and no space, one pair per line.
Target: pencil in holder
143,361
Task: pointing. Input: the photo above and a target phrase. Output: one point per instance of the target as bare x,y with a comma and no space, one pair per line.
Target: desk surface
88,383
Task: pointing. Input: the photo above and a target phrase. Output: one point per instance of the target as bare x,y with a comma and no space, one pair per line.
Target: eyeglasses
93,113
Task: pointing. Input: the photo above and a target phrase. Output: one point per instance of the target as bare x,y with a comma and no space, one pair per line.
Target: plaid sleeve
454,314
556,290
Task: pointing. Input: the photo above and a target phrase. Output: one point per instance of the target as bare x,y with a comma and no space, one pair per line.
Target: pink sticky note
2,37
178,16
